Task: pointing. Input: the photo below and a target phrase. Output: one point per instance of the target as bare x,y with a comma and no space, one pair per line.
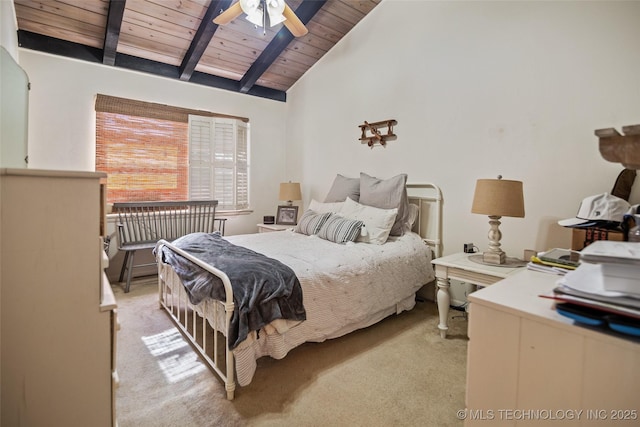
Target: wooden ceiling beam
38,42
201,40
112,32
304,12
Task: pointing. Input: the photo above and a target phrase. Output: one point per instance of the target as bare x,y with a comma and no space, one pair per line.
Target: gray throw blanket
264,289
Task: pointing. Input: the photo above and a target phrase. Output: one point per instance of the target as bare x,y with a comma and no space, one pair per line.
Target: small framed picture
287,215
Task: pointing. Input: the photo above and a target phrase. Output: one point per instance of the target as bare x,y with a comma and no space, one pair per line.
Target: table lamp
497,198
290,191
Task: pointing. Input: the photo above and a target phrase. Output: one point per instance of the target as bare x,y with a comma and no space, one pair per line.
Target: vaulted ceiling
178,39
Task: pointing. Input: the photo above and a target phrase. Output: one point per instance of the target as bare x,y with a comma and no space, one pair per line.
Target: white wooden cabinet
58,318
526,362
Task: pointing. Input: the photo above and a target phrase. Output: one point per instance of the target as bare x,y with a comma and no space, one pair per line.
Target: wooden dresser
58,313
528,365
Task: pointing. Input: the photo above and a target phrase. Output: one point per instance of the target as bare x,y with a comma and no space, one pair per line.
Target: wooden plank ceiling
177,38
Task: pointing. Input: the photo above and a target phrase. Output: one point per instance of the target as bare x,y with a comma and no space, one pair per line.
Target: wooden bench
142,224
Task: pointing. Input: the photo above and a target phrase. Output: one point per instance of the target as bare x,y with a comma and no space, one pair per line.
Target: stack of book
556,261
604,290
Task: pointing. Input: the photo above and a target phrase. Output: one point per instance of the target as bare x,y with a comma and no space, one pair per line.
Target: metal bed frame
206,327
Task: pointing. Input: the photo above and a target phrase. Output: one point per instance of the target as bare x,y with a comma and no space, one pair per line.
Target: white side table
460,267
266,228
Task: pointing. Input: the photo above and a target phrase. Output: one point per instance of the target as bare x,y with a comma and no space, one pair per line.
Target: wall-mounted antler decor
371,134
624,149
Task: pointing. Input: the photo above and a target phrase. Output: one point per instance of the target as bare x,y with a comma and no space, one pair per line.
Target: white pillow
377,222
320,207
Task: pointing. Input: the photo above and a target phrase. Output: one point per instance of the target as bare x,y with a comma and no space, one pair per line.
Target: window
218,161
154,152
145,159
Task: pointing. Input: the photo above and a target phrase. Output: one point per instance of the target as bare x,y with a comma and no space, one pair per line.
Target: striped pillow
340,230
310,222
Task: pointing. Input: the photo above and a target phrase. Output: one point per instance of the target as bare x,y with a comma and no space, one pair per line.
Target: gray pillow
310,222
342,188
387,194
340,230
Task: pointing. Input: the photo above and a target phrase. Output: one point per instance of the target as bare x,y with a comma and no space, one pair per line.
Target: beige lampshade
498,197
290,191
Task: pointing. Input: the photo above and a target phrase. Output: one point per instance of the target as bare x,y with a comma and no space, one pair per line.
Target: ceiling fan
278,11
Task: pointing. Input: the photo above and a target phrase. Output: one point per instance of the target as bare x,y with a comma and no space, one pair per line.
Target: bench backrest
148,222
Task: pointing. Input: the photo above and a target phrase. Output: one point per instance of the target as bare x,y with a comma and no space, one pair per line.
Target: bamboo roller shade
113,104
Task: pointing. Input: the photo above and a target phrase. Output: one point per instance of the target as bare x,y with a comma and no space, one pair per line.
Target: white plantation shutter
218,161
200,164
242,164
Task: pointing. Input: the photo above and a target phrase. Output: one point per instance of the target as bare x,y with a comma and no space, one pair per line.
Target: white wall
478,89
62,120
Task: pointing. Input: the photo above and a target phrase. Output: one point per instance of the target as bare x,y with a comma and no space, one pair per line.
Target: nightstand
267,228
460,267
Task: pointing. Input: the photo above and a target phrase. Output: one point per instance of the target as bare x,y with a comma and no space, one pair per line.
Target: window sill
234,212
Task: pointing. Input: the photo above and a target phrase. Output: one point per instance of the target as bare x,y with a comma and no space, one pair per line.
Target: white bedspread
345,287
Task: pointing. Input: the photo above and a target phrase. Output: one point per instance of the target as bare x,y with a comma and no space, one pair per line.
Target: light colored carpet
397,372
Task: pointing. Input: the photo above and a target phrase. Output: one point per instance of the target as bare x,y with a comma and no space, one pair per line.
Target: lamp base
508,263
494,257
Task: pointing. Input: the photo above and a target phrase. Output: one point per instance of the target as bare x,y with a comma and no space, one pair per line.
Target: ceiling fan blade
228,15
293,23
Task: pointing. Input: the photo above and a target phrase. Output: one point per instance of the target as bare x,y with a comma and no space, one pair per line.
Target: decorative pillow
377,222
387,194
325,207
310,222
342,188
340,230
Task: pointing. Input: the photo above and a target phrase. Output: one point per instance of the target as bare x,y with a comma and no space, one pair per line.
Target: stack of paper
620,263
585,286
608,278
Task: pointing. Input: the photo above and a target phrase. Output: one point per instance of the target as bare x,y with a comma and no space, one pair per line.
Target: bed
344,286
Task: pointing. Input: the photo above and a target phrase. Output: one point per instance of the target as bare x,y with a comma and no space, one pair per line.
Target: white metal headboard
428,198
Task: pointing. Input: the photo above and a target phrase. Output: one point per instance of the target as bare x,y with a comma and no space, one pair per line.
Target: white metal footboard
208,337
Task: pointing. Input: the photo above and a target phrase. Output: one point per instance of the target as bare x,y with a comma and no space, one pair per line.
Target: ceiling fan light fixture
275,8
253,11
249,6
255,17
278,11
